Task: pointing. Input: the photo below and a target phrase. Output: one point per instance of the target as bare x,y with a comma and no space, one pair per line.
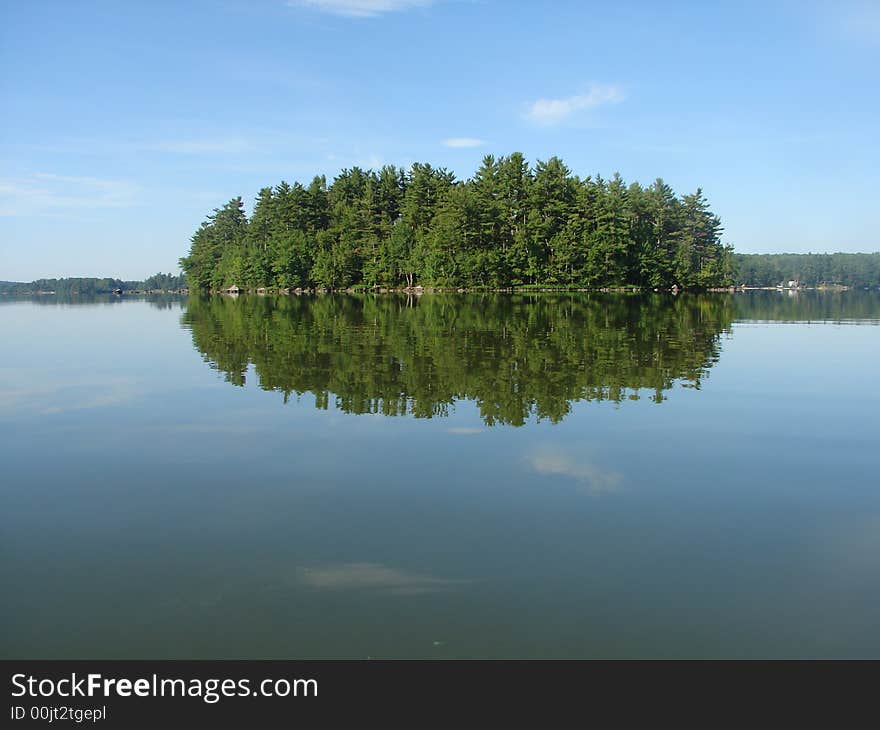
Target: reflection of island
159,301
515,356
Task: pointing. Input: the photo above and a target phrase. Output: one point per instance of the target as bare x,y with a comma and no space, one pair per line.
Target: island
510,225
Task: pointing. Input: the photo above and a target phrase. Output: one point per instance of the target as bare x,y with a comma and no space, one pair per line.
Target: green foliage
88,286
809,269
163,282
515,356
508,225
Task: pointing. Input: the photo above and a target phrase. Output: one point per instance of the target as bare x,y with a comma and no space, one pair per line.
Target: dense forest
163,282
515,356
809,269
510,224
79,286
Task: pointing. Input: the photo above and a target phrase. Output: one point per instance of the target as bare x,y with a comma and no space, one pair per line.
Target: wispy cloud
234,429
554,461
373,576
68,395
202,146
369,161
222,145
47,193
458,142
360,8
861,20
554,111
464,430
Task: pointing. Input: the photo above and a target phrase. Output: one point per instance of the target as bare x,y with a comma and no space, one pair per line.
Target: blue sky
122,124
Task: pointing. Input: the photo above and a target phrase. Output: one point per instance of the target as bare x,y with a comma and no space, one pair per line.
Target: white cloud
464,430
457,142
554,111
553,461
202,146
360,8
43,193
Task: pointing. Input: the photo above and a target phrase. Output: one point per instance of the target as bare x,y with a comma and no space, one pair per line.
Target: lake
448,476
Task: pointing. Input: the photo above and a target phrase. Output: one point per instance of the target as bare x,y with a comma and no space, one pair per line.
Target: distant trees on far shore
75,286
808,269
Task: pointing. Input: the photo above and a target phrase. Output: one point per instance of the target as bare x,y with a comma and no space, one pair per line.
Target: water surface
443,476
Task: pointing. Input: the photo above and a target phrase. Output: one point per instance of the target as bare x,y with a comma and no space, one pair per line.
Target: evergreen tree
508,225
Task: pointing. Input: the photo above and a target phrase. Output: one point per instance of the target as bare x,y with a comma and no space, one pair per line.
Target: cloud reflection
554,461
375,577
69,395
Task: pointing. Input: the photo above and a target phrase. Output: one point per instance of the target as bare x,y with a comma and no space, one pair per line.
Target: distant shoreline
419,291
832,271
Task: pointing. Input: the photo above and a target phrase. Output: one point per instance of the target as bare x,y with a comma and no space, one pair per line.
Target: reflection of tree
515,356
808,306
159,301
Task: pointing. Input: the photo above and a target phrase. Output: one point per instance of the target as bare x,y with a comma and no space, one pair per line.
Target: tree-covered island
510,225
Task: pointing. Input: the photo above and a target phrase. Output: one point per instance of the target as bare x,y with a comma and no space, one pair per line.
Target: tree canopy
509,225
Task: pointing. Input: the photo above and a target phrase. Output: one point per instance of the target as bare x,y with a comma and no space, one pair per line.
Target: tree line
809,269
79,286
509,225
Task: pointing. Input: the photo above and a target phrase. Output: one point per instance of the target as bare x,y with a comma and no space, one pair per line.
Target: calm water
442,477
